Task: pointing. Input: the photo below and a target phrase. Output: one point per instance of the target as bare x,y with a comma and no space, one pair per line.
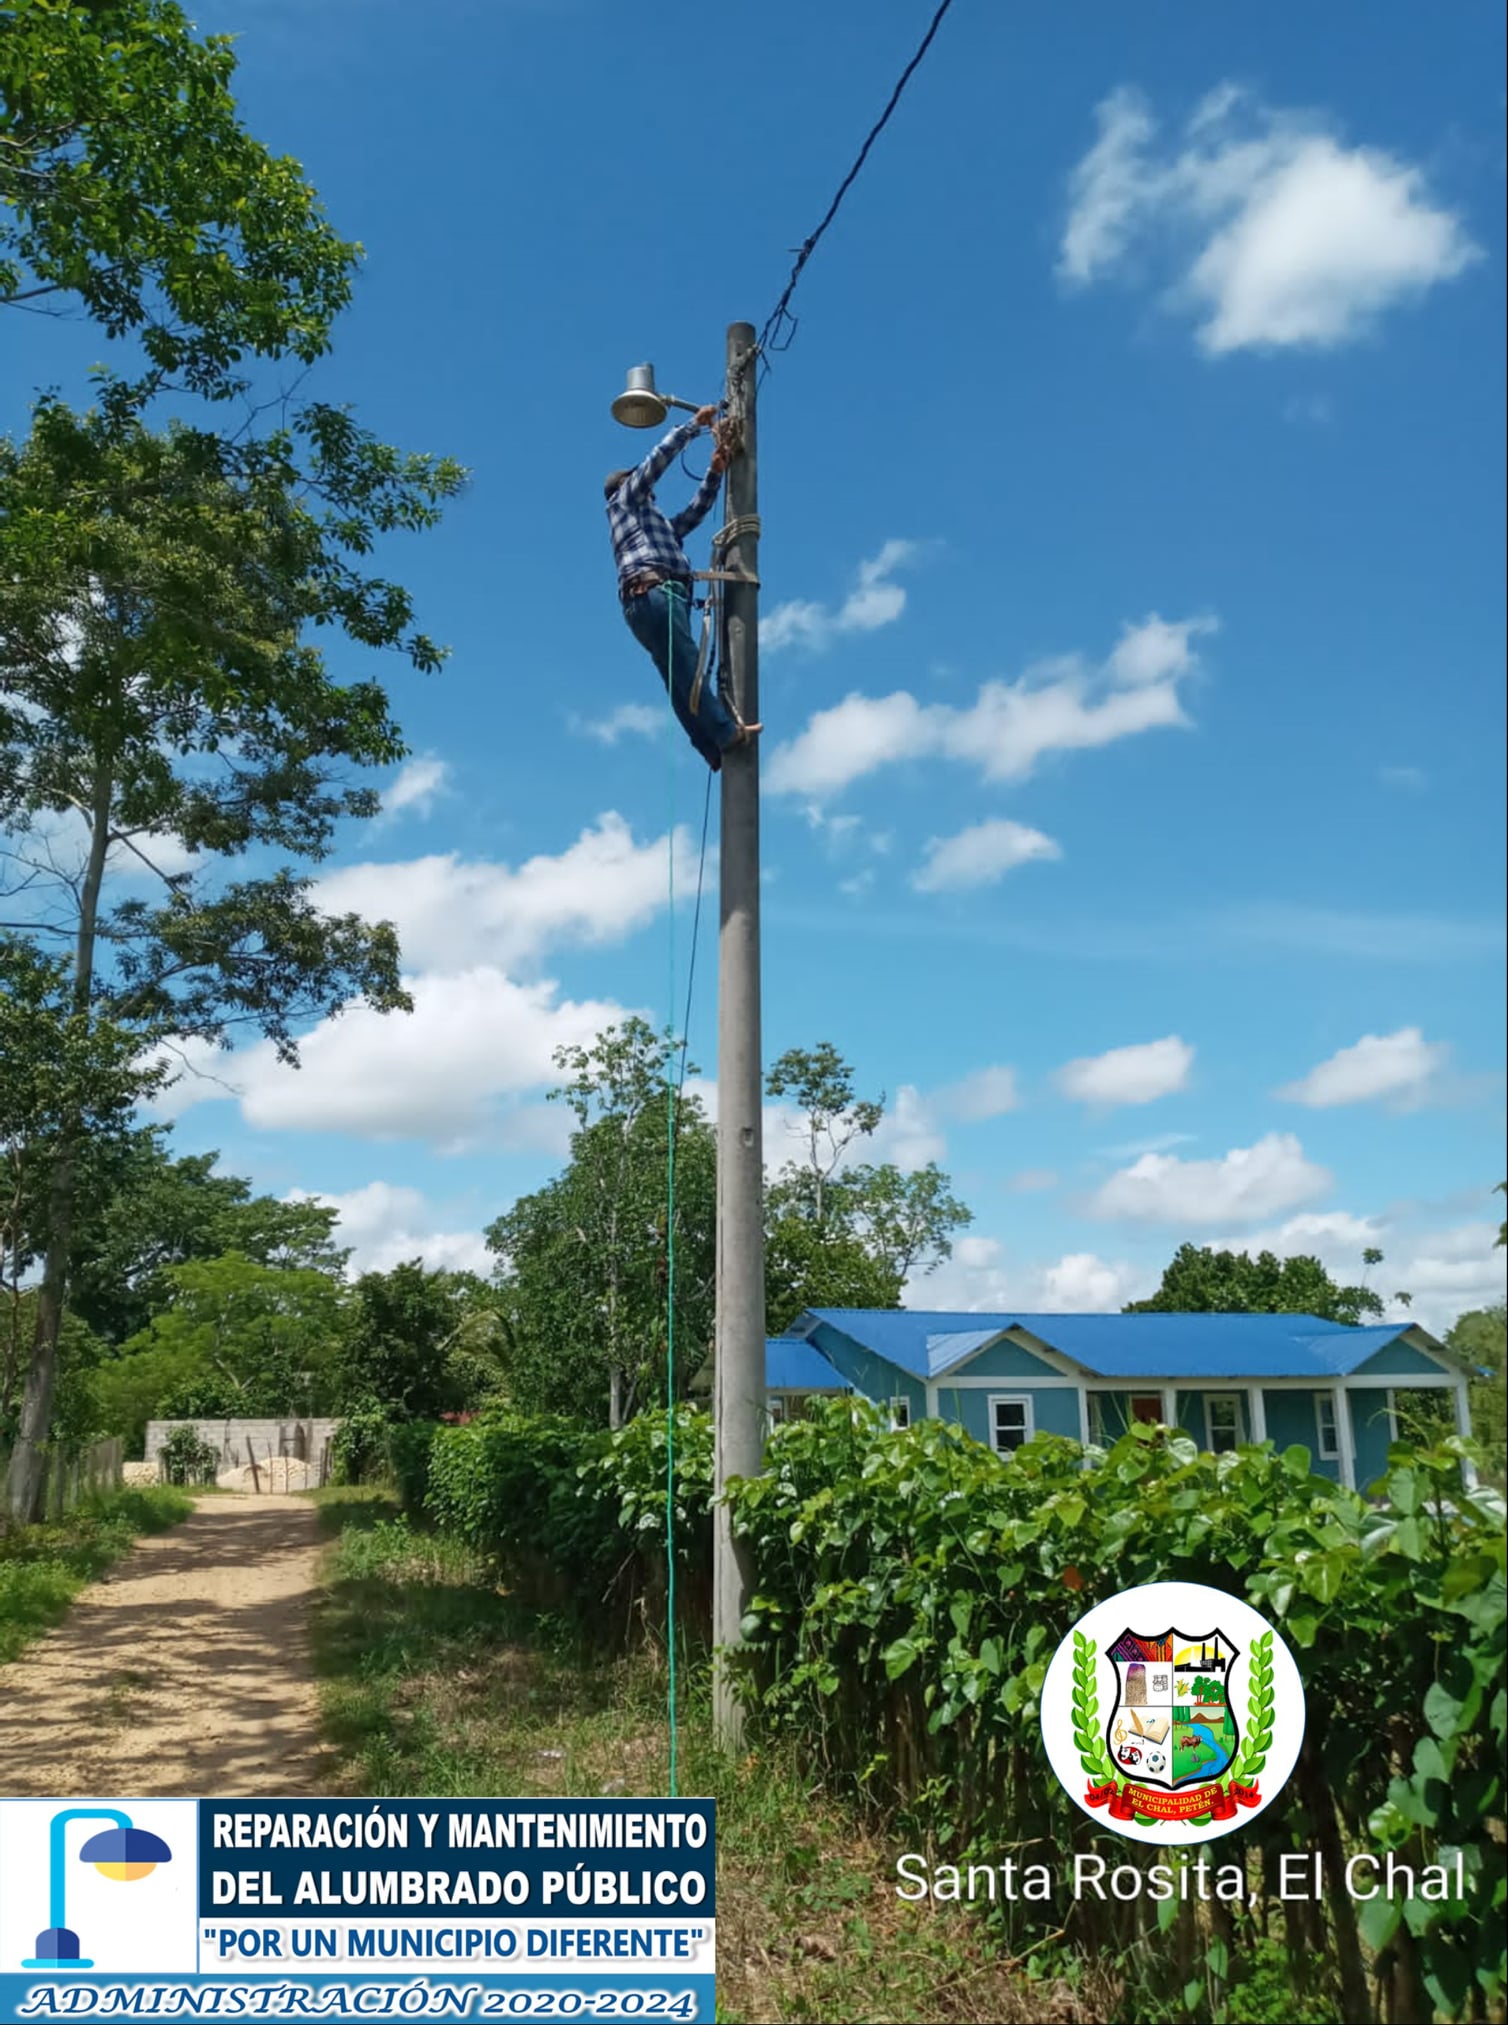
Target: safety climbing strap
711,625
712,608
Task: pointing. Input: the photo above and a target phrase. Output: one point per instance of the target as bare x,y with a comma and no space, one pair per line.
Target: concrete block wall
239,1442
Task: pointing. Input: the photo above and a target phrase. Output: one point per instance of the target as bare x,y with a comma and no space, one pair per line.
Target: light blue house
1339,1392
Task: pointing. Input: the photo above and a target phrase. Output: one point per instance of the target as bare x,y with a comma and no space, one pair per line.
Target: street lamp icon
123,1853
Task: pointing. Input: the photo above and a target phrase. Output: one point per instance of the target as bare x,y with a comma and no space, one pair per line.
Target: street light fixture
123,1853
641,406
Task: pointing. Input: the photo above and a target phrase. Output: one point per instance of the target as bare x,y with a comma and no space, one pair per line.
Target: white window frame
1238,1402
1327,1438
1028,1418
900,1412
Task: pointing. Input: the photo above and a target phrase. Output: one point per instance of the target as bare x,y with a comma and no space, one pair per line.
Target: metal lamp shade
639,406
125,1854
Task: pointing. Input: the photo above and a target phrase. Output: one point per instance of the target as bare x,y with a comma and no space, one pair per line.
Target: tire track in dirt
186,1670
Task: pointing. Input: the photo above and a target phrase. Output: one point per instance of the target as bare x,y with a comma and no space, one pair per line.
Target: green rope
670,1122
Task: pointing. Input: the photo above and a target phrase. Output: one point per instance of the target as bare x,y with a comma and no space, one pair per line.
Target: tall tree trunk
1356,2000
26,1476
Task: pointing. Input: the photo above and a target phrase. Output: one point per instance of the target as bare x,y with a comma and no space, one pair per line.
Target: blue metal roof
794,1365
927,1342
952,1346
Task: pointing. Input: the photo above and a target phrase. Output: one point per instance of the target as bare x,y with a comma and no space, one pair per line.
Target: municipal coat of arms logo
1169,1733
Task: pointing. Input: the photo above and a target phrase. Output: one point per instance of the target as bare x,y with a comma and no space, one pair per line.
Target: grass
42,1568
434,1683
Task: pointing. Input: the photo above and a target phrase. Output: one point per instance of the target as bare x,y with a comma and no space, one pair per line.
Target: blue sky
1132,497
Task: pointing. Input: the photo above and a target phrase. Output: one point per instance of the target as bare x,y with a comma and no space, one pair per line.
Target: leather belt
638,587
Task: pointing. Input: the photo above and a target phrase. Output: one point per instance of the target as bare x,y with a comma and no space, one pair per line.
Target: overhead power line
780,326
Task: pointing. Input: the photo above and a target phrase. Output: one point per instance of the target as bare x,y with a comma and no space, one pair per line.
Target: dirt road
185,1671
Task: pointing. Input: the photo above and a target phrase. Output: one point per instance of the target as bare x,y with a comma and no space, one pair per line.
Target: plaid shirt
645,543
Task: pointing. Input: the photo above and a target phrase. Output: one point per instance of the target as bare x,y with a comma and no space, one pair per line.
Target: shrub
185,1459
407,1453
575,1519
360,1445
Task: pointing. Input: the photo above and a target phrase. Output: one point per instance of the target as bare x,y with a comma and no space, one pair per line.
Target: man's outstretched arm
693,515
642,481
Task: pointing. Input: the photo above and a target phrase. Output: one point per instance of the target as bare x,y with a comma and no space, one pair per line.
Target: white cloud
833,827
908,1134
629,720
1278,233
386,1225
1159,1142
1134,1075
1157,649
1250,1181
1446,1271
199,1070
972,1281
451,1073
1411,778
1062,706
876,600
57,842
1110,188
451,912
1082,1283
911,1132
1333,1236
986,1093
417,787
980,855
1401,1067
1032,1181
155,851
975,1280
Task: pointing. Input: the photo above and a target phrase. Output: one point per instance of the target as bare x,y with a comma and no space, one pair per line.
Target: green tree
840,1233
583,1262
156,688
1480,1340
55,1066
237,1339
78,1415
129,185
161,1211
419,1343
1199,1280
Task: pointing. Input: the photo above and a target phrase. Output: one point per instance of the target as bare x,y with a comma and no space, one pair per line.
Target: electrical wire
780,326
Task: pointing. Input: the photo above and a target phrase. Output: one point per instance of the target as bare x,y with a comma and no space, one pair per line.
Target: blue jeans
660,620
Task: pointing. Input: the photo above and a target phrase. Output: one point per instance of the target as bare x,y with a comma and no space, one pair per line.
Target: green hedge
911,1588
573,1520
407,1454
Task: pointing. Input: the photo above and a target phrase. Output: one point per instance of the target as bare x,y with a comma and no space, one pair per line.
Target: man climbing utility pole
740,1355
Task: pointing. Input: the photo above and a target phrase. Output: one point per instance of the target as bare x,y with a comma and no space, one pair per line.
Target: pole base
57,1948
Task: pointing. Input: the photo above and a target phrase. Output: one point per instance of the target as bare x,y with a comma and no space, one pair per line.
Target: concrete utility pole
740,1355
